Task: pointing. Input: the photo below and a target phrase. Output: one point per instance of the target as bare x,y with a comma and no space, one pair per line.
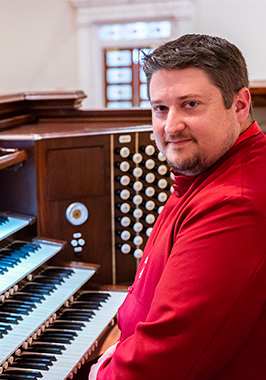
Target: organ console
80,192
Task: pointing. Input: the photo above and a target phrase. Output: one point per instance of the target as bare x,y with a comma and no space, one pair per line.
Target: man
197,307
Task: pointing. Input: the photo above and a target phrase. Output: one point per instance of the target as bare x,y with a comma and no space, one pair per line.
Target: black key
9,258
15,377
77,315
58,272
3,330
49,280
6,263
8,327
15,310
18,253
28,297
24,246
86,296
69,334
3,219
10,318
50,287
36,289
51,339
26,364
9,305
37,356
67,325
74,311
91,305
21,303
52,348
21,373
14,254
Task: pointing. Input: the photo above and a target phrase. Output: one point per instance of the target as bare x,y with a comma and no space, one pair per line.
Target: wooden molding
258,93
8,159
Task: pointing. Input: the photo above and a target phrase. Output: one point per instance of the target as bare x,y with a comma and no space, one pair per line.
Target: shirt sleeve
208,299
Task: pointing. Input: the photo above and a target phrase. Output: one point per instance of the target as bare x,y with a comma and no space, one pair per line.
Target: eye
191,104
160,108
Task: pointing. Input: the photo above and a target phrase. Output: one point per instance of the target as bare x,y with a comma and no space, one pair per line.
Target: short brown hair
222,61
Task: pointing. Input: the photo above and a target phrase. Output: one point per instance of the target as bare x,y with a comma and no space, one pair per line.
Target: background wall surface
242,22
38,46
39,40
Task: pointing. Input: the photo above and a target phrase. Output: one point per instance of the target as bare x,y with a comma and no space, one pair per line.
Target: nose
174,122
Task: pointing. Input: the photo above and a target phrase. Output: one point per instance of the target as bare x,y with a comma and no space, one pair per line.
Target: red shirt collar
253,130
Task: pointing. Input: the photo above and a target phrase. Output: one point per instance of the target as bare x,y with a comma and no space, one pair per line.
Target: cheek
158,131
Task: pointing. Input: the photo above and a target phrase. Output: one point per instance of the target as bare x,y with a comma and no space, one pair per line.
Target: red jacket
196,309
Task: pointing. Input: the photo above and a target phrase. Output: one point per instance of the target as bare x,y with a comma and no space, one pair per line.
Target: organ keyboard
10,224
24,258
34,314
72,337
44,314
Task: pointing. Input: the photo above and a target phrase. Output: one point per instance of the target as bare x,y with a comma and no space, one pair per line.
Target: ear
242,102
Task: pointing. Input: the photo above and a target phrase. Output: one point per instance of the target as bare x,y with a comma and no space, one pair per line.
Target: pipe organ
80,192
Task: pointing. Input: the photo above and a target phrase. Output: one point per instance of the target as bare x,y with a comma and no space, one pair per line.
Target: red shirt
196,308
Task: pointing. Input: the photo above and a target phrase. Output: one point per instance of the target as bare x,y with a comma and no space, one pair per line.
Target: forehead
180,83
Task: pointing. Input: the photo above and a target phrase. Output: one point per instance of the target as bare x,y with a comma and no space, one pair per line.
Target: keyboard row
23,315
59,351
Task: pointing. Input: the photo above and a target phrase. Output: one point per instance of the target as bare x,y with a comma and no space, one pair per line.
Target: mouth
178,143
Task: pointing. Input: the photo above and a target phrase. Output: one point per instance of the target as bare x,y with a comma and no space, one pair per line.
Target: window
125,81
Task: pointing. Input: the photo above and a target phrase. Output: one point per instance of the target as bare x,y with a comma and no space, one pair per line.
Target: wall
39,40
38,46
242,22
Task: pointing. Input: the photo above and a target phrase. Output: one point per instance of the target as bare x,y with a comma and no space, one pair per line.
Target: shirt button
130,290
177,193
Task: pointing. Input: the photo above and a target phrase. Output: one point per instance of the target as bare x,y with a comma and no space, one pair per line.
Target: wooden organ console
80,191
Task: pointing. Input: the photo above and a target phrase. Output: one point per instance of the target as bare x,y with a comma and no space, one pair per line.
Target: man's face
192,127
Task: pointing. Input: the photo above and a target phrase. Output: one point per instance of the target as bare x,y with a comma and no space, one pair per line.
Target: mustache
179,136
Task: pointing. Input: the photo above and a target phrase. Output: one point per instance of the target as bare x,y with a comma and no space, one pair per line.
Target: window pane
135,56
141,55
145,104
119,92
118,58
143,91
159,29
119,105
123,75
137,30
142,76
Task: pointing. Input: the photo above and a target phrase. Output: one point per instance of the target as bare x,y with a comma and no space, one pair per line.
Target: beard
190,166
197,161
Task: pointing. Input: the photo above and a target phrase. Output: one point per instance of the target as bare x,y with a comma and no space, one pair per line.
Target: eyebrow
184,97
